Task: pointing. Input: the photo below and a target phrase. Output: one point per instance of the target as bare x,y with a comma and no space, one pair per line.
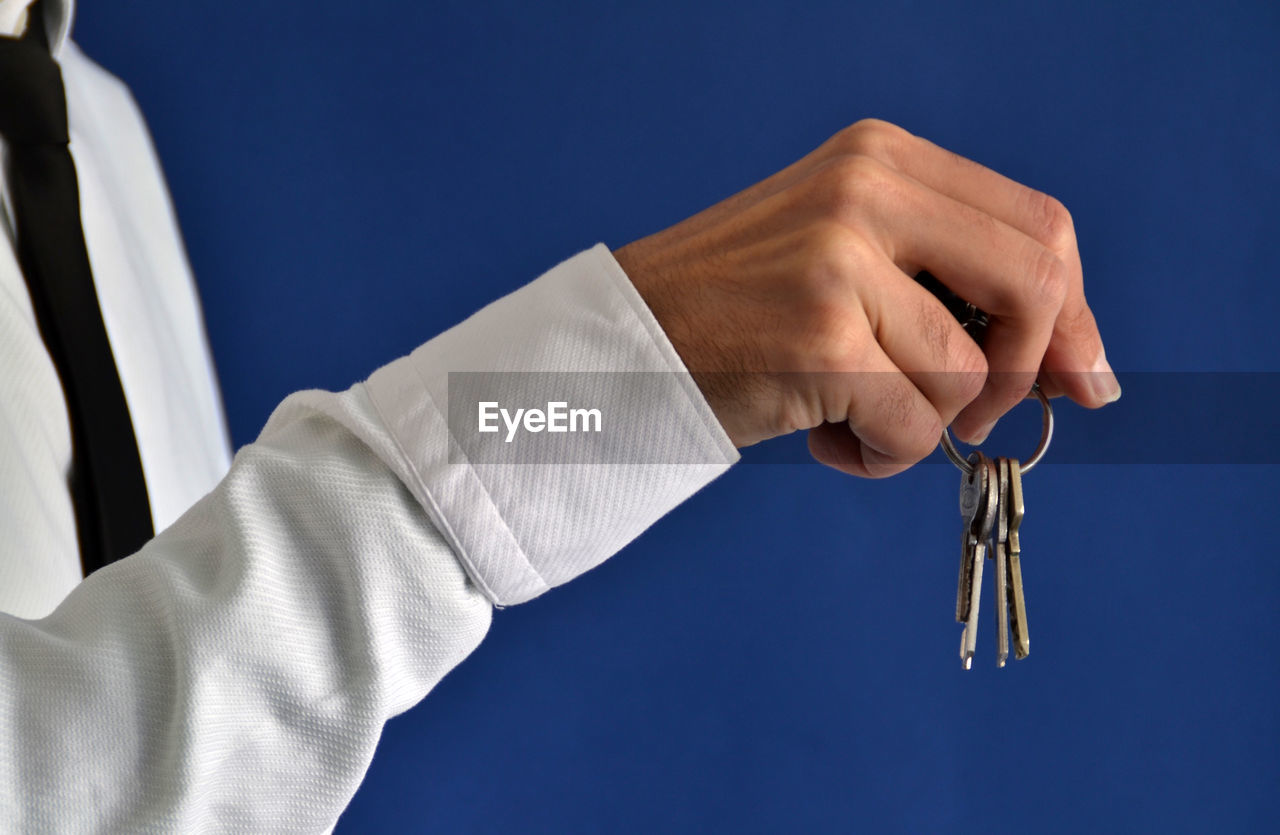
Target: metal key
983,522
973,495
1002,565
1017,603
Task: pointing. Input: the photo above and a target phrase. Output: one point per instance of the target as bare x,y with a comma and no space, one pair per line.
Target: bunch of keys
992,507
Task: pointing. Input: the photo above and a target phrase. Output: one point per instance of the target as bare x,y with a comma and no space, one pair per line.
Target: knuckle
912,431
1049,278
921,437
1051,221
917,427
822,311
830,243
871,137
829,253
816,309
850,182
970,359
970,369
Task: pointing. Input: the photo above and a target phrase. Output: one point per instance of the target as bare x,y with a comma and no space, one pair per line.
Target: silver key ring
1046,435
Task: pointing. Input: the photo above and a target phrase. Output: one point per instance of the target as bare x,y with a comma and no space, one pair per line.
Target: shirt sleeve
235,674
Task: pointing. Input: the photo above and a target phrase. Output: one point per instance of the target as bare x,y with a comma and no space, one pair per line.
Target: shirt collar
57,22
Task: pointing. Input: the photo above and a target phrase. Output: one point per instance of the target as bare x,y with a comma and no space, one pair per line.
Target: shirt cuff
526,507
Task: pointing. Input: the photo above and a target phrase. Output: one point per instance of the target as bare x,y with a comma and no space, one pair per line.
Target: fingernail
1105,385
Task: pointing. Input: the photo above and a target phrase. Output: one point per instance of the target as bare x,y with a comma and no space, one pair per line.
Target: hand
774,296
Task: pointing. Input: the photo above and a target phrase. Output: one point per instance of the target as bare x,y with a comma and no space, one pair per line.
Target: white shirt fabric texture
235,674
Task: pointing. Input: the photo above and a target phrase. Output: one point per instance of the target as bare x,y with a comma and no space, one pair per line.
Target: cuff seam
436,513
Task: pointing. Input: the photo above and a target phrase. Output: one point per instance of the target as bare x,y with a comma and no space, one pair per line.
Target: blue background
779,653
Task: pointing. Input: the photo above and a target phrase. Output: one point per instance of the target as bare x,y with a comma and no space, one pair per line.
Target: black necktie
113,515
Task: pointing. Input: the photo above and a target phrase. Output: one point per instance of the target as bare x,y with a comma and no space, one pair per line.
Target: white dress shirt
235,674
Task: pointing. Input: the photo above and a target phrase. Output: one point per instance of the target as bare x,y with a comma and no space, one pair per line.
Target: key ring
1046,434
